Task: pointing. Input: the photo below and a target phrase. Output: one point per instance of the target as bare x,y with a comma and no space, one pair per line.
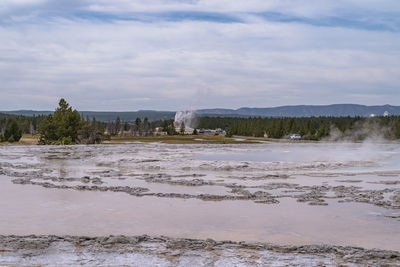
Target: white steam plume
187,117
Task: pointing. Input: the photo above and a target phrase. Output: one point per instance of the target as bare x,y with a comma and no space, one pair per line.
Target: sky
126,55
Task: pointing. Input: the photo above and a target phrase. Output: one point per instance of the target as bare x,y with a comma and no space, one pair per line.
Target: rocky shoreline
144,250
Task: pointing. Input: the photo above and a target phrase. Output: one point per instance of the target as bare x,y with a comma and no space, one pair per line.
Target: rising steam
368,130
187,117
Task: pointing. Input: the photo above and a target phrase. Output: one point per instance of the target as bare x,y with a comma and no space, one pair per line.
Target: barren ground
277,203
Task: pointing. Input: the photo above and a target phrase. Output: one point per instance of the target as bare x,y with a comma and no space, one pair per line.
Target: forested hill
107,115
28,113
337,110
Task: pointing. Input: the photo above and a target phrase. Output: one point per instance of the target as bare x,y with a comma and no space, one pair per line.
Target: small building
158,131
295,137
217,131
188,130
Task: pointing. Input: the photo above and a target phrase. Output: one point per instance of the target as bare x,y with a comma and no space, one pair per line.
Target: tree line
12,132
138,127
312,128
27,125
67,126
12,127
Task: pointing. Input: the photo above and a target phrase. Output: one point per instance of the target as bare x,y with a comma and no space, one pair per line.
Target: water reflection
203,169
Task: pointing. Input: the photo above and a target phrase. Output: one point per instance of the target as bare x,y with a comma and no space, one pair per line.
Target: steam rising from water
187,117
365,131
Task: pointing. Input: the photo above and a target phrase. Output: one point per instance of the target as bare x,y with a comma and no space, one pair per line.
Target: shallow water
34,209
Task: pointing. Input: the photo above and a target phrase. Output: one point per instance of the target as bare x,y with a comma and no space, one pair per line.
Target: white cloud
308,8
299,7
127,65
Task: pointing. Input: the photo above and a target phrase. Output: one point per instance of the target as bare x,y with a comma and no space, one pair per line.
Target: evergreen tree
138,125
397,129
12,133
182,129
126,126
259,128
94,123
146,126
165,126
63,125
117,125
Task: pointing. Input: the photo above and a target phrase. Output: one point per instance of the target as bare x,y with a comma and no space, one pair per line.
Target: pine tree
12,133
138,126
117,125
182,129
65,123
146,126
397,129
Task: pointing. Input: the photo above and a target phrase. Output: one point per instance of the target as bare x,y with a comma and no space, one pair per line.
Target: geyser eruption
187,117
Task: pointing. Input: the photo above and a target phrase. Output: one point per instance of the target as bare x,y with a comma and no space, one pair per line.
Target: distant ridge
336,110
152,115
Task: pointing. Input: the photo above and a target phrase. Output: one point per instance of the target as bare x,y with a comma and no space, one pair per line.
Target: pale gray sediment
142,192
313,195
386,182
320,195
49,250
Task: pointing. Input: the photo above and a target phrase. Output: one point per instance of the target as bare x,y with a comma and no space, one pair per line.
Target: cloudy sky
190,54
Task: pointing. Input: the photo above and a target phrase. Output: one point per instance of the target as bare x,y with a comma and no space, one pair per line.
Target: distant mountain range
337,110
106,115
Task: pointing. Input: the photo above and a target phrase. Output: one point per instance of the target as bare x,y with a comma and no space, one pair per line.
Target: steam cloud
187,117
369,130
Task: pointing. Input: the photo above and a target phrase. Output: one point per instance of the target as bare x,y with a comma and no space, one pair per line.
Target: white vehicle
295,137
